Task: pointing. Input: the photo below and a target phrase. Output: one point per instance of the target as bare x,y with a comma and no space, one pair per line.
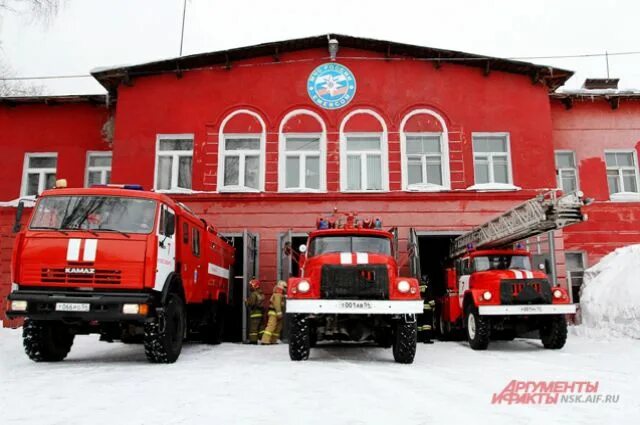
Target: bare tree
42,9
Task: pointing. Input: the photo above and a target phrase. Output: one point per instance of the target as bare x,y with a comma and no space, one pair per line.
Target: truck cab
120,262
349,289
496,294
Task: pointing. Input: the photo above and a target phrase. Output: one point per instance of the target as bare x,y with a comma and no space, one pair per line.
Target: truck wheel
215,327
46,341
553,333
478,329
299,338
163,335
405,341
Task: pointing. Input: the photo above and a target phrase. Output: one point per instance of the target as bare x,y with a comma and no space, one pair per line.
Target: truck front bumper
354,306
78,306
526,310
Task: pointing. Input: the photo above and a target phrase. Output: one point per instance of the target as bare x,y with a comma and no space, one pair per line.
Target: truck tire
163,336
553,333
299,338
405,341
478,329
46,341
213,331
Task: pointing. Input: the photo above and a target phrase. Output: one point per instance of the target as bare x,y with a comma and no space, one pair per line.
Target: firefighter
255,307
425,331
274,322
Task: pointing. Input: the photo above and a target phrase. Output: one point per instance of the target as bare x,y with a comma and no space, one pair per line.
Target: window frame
384,152
282,163
175,163
507,138
444,157
241,164
42,180
363,154
559,170
635,168
101,168
196,246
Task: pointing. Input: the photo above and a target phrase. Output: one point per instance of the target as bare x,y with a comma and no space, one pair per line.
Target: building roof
95,99
110,78
613,96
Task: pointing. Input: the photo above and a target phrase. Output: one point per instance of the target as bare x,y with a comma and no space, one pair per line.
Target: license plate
72,307
356,305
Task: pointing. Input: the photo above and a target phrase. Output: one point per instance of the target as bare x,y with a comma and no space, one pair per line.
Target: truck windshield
328,244
94,213
501,262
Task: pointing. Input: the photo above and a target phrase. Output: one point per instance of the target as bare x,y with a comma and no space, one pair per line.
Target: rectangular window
424,159
39,173
491,158
195,242
185,233
241,162
174,162
302,162
364,162
622,172
566,171
98,168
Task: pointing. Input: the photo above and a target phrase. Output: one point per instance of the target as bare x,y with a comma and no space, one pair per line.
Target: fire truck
349,289
492,290
127,264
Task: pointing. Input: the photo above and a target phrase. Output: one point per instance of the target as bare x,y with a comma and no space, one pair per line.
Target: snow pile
610,299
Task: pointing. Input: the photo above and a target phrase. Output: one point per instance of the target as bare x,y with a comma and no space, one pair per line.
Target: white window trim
624,196
444,153
242,153
384,151
42,171
492,183
561,169
174,164
221,151
282,152
102,169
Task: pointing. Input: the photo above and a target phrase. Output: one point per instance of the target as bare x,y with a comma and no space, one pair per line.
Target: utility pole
606,57
184,12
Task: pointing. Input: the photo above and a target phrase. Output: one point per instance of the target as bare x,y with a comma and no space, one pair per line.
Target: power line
358,58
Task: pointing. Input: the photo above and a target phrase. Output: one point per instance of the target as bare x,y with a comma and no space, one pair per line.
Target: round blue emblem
331,86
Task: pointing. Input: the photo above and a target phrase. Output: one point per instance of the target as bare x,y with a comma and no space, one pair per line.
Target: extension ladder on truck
541,214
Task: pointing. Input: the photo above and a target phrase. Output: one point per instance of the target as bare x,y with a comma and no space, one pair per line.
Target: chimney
600,83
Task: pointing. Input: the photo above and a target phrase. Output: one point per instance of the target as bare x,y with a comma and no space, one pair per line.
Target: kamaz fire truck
349,289
492,290
121,262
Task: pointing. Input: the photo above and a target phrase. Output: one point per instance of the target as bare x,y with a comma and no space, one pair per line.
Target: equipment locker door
414,254
250,270
166,260
284,263
394,232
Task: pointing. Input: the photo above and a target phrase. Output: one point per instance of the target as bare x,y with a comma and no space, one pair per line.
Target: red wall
589,128
70,129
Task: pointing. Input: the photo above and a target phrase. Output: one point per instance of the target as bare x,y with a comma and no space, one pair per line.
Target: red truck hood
313,265
80,260
509,274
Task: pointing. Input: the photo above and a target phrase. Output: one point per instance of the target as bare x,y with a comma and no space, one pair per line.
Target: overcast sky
90,33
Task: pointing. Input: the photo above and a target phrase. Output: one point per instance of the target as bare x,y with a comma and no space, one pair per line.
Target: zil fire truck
349,289
493,292
121,262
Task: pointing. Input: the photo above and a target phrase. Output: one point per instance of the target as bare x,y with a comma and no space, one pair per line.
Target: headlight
404,286
304,286
557,293
487,295
19,305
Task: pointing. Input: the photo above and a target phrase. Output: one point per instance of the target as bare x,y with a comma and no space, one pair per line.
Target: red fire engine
493,292
127,264
349,289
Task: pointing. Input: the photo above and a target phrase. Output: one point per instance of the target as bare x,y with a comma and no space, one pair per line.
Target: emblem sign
331,86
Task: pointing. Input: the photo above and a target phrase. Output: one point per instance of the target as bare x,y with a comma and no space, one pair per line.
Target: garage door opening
430,256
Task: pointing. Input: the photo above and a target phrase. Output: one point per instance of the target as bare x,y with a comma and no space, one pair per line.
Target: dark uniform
425,331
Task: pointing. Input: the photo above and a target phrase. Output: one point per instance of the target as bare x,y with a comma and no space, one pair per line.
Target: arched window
303,147
364,164
425,151
241,152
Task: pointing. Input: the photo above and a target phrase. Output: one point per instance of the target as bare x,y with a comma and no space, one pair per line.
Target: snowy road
104,383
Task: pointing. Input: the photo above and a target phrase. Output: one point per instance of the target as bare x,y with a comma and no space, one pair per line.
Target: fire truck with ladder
117,261
349,289
492,290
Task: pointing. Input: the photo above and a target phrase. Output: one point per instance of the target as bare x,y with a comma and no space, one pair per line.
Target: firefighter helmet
254,283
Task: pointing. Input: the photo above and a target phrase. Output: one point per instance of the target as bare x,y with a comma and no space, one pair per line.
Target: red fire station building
262,140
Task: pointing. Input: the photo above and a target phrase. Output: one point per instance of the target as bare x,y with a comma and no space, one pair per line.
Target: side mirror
19,211
170,224
302,248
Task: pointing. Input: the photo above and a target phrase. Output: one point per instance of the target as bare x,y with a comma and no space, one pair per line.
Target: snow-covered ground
103,383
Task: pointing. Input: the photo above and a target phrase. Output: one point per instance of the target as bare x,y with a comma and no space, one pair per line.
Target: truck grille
99,277
354,282
525,291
